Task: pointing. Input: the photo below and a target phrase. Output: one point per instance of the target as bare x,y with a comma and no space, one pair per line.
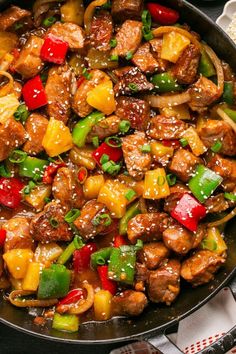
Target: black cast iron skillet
152,324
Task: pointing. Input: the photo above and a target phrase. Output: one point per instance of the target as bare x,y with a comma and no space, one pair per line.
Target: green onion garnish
86,74
95,141
230,196
129,56
130,194
17,156
113,43
103,219
111,168
217,146
133,87
124,126
21,113
47,200
54,223
72,215
113,141
146,148
114,57
105,158
146,19
27,190
147,34
49,21
183,142
171,179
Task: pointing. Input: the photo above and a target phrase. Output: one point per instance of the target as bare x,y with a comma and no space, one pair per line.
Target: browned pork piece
36,126
164,283
156,46
162,127
49,225
185,69
129,303
145,61
226,168
122,10
29,63
106,127
203,93
218,130
218,203
128,38
87,224
18,234
147,227
58,91
70,33
200,268
11,16
135,110
137,162
183,164
152,254
101,31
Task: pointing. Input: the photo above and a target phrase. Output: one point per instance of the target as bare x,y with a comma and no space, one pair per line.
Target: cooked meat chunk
128,38
131,80
137,162
101,31
200,268
36,126
58,89
11,16
156,46
183,164
12,135
129,303
147,227
104,128
185,69
203,93
18,234
153,254
166,128
145,61
70,33
141,275
135,110
29,63
67,190
86,222
126,9
226,168
181,240
218,130
49,225
218,203
79,104
164,283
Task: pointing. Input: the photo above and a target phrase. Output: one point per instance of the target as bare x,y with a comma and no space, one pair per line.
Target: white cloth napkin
198,330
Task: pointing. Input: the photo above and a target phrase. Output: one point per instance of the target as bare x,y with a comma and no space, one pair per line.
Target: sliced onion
168,101
40,7
88,15
223,220
226,118
217,64
7,88
167,29
15,300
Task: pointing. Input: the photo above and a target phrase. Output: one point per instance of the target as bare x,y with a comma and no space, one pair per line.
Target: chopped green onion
27,190
54,223
113,43
147,34
146,148
171,179
208,244
49,21
47,200
129,56
114,57
4,171
17,156
86,74
72,215
230,196
21,113
113,141
95,141
217,146
183,142
104,159
146,19
124,126
103,219
130,194
133,87
111,168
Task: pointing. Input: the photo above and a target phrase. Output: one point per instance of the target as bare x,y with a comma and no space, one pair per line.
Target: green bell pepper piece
204,182
206,67
165,82
231,113
84,126
130,213
101,257
68,323
76,244
228,94
122,263
32,167
54,282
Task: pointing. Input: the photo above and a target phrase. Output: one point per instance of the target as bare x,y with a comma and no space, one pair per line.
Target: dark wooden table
14,342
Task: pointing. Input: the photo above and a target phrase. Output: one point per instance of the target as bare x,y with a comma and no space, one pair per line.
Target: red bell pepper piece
72,297
10,192
162,14
81,257
3,235
50,172
54,50
114,153
119,240
107,284
34,94
175,144
188,211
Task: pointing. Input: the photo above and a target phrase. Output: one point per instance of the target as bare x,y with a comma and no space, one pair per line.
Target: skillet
153,323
